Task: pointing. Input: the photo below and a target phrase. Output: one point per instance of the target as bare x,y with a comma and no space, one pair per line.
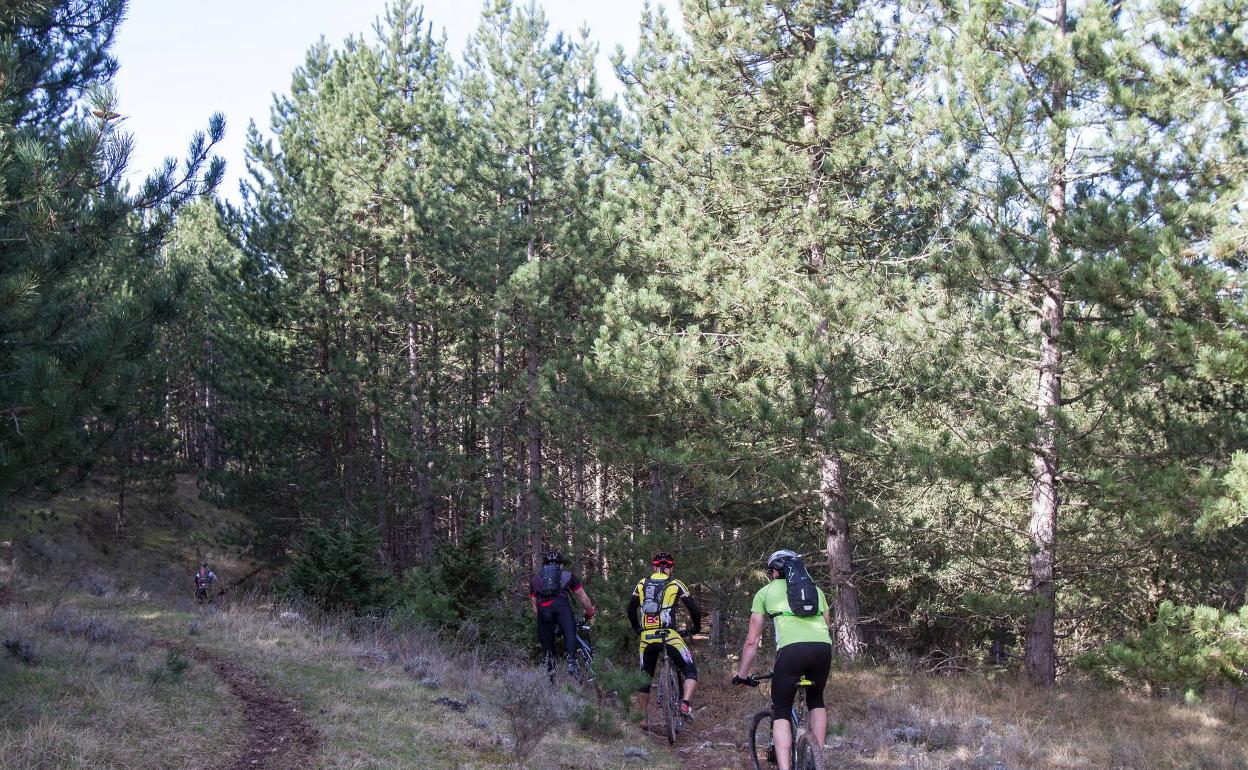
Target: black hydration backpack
803,595
550,581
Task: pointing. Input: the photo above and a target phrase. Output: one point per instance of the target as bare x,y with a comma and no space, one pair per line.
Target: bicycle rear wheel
762,749
669,696
808,755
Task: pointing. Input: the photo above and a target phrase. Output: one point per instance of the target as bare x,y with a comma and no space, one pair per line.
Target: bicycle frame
800,732
582,641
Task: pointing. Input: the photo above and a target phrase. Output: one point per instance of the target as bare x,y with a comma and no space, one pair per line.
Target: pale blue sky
181,61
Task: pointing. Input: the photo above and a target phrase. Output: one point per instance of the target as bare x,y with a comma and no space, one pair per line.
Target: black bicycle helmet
663,559
552,557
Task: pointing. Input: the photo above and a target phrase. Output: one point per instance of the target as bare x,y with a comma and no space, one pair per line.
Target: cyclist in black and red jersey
550,592
204,578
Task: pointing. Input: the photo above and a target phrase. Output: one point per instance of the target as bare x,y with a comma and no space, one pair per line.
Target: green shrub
336,568
621,682
424,600
171,671
601,723
459,589
1184,648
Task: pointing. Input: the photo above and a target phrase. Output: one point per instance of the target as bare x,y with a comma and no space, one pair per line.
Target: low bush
601,723
1185,648
621,682
531,709
171,671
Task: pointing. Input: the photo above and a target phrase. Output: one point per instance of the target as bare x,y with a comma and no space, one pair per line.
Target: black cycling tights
557,613
812,659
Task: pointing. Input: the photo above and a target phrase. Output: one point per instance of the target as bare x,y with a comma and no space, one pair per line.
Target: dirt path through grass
279,737
708,743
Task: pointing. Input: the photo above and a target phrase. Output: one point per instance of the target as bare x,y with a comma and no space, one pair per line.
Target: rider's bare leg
819,725
782,736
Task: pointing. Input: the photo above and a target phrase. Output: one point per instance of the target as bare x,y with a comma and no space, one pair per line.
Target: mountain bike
671,685
805,753
584,675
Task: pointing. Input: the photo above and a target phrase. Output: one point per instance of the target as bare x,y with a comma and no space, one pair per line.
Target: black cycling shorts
559,613
810,659
677,651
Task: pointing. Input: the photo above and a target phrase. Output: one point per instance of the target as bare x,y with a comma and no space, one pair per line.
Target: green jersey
773,600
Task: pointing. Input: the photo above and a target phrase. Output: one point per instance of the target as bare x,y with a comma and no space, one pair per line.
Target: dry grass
90,702
887,721
375,695
379,699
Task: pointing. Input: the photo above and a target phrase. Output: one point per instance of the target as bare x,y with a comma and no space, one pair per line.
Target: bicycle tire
670,702
806,755
762,751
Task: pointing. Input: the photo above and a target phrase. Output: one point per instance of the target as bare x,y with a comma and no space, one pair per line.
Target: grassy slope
88,600
80,594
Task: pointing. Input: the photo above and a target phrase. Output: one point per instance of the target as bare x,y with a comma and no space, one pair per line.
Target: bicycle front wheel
808,755
762,749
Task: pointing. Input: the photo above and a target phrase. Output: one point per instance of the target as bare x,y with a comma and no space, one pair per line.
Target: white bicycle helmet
778,558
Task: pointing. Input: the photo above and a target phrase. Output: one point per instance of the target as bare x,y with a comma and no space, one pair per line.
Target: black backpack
550,581
803,595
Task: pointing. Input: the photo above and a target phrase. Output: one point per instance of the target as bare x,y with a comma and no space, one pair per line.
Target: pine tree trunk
533,436
496,438
1040,657
1039,651
472,444
326,439
379,476
433,444
600,513
845,608
656,497
578,487
419,467
208,452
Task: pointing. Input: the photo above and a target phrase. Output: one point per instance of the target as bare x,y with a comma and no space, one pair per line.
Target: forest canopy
946,297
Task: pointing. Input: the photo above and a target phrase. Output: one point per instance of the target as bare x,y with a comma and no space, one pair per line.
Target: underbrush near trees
1184,649
458,592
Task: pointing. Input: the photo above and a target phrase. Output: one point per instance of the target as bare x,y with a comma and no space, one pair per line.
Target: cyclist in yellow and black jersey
650,611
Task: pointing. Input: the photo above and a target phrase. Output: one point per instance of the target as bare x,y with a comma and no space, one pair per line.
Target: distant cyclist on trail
204,578
550,592
650,611
799,611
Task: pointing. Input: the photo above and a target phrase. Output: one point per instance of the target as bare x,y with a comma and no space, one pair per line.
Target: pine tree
777,206
80,288
1087,188
533,104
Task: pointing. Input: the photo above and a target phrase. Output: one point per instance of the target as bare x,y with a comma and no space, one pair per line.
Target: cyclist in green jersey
804,648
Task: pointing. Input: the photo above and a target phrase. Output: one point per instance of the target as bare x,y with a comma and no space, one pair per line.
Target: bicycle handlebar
753,681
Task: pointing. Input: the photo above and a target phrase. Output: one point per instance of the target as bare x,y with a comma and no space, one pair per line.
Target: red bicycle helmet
663,559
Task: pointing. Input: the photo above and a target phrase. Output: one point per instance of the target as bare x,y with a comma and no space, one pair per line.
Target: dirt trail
279,737
708,744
